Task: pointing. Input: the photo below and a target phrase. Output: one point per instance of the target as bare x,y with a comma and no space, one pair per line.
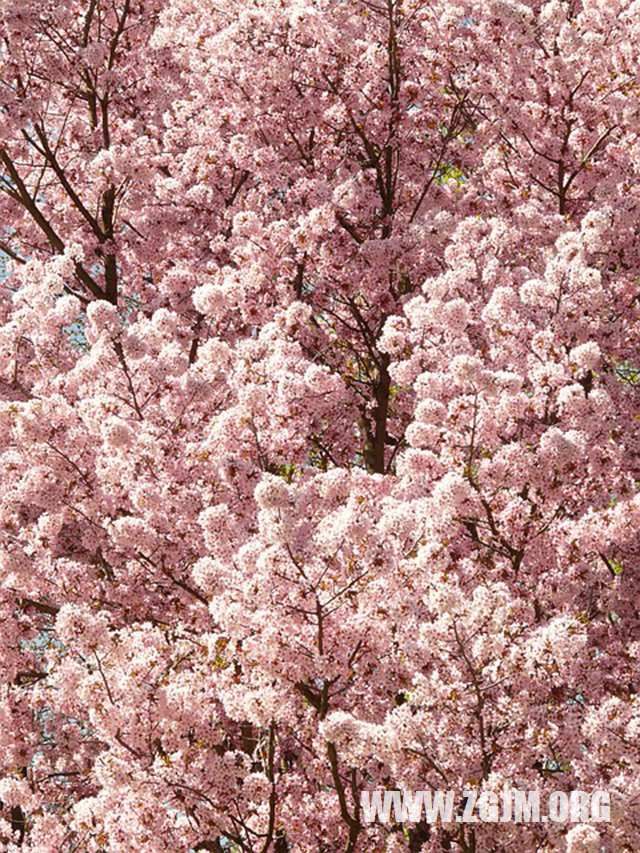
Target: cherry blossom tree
319,404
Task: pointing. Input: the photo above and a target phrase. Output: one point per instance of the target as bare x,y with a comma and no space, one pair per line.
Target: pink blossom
319,420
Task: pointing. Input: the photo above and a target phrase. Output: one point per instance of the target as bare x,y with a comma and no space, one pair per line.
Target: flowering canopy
320,446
